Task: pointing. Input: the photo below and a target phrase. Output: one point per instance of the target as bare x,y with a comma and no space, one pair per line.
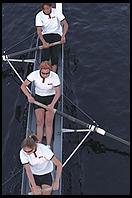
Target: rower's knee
40,123
49,123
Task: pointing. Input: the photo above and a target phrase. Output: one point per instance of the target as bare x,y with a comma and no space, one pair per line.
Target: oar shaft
22,52
93,128
69,117
103,132
64,115
117,138
29,50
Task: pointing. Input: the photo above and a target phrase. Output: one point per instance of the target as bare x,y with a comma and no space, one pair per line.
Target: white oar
42,190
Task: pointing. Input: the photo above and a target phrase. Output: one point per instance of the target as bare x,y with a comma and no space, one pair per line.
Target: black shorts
43,179
51,52
44,100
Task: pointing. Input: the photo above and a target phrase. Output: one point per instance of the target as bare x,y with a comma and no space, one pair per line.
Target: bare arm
65,29
45,44
26,92
56,97
36,189
58,173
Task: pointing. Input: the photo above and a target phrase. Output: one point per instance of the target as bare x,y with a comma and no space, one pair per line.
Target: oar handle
50,45
43,105
42,190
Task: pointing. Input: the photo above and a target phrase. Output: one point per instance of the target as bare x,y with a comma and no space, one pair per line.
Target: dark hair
30,141
48,4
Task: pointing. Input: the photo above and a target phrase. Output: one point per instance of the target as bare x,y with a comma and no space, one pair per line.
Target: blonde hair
46,63
30,141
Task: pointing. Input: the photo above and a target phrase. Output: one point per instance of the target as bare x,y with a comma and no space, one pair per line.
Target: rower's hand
36,190
45,45
63,39
31,99
55,185
50,107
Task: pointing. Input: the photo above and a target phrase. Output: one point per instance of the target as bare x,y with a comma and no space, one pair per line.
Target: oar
42,190
64,115
29,50
91,127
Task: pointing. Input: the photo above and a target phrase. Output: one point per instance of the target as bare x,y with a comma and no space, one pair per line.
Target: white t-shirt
50,25
46,88
40,163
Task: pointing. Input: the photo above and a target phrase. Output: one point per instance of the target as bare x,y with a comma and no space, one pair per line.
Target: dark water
97,69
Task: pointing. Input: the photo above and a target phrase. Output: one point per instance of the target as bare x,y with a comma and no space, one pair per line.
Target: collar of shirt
43,79
49,13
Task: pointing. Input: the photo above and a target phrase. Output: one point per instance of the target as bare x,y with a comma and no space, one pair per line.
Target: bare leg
49,126
54,68
40,122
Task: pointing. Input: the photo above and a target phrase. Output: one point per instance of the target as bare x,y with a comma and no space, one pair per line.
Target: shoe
48,146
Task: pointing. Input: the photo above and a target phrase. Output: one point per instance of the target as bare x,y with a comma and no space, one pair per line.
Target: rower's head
29,144
45,69
46,7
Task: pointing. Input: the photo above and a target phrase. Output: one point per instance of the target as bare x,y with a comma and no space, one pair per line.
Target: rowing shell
31,120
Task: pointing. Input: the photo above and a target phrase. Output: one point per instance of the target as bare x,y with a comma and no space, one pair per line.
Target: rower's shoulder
40,13
40,147
53,73
43,147
36,71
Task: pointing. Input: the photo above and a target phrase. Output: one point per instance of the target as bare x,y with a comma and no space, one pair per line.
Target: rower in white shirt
47,91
